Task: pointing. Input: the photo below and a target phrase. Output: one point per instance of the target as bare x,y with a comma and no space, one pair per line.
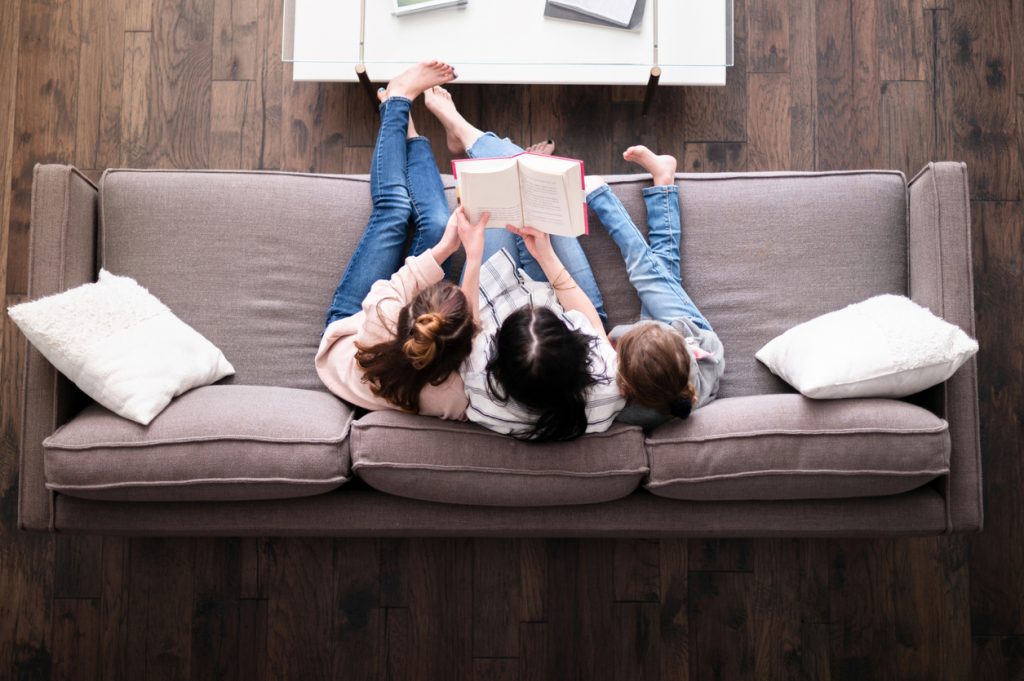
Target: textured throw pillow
120,345
886,346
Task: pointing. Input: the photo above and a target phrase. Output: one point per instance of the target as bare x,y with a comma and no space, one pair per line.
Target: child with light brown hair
670,361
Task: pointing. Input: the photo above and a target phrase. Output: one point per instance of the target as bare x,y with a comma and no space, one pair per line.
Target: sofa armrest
941,279
62,255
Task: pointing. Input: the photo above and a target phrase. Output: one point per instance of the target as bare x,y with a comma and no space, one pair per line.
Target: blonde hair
654,369
421,346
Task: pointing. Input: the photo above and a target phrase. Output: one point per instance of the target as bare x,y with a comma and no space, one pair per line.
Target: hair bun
421,347
680,408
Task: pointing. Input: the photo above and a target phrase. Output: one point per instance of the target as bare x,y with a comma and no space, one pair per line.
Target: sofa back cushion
251,259
762,252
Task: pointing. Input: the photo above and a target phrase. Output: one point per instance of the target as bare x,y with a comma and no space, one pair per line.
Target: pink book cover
586,216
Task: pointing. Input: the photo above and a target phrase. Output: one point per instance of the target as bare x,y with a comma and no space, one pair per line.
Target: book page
490,185
548,195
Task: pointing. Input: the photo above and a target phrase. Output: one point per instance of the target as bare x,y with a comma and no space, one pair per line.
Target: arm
62,256
569,294
472,237
941,280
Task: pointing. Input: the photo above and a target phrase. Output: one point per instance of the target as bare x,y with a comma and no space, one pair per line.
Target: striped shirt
503,290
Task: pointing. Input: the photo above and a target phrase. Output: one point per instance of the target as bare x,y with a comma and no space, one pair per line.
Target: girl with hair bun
396,333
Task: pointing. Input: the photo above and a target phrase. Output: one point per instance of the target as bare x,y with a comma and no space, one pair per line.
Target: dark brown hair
433,335
545,366
654,369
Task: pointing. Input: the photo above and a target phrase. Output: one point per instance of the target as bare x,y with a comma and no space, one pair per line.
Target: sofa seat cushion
215,443
768,447
460,463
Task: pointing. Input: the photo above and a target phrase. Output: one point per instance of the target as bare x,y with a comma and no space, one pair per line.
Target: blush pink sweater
336,359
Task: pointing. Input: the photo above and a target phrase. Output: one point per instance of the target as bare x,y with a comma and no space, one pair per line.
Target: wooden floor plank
216,590
160,598
534,654
769,137
497,580
997,592
637,573
26,560
713,157
1000,657
767,36
174,111
721,625
78,572
789,593
234,125
299,608
803,84
908,136
904,41
114,609
721,555
252,640
673,616
76,638
861,610
931,598
984,104
358,633
45,120
635,641
235,24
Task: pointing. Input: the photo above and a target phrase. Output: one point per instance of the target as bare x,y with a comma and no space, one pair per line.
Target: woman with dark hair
395,333
542,367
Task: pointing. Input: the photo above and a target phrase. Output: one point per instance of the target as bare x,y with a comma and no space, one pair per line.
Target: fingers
484,219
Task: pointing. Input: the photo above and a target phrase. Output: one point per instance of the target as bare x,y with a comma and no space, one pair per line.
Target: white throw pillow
886,346
120,345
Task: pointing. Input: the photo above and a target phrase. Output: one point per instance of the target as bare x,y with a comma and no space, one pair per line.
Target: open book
533,190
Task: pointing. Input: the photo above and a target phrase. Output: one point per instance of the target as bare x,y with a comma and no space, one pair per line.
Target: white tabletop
501,41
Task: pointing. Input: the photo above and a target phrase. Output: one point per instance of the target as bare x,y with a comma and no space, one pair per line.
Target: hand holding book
545,192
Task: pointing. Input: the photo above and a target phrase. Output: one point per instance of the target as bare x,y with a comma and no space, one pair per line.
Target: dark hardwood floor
832,84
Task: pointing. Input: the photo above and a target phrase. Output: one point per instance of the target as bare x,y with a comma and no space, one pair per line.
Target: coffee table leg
652,84
364,80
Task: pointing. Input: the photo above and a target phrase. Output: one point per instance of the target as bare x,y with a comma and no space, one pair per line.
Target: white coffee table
679,42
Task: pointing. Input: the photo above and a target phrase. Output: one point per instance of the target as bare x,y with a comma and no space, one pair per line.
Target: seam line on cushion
348,177
198,481
488,469
766,433
798,473
211,438
361,425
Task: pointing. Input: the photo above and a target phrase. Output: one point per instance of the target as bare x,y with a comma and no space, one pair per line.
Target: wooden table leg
652,85
364,80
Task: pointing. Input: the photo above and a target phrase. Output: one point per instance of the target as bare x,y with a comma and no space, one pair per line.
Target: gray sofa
250,260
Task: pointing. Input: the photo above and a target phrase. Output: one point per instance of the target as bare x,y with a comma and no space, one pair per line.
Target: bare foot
545,148
382,94
460,134
414,80
662,168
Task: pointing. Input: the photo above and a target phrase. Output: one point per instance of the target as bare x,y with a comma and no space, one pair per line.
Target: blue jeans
653,268
568,248
406,187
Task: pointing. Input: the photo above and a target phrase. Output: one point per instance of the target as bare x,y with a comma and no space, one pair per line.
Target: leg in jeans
426,191
659,289
569,250
379,253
